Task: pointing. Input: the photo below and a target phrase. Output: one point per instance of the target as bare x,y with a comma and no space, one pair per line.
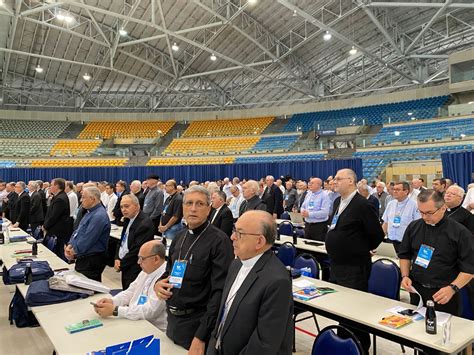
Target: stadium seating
370,115
58,163
125,129
211,145
32,129
237,127
277,142
190,161
279,158
7,164
74,147
25,148
432,130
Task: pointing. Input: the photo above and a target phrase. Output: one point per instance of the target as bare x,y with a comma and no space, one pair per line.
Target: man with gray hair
381,196
453,199
436,255
36,206
136,189
252,201
88,244
273,197
20,213
153,202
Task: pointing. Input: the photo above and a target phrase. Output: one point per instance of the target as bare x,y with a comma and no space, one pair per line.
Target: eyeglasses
198,204
239,234
142,258
429,213
340,178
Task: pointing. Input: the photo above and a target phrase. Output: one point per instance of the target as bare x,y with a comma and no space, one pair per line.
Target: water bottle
34,249
28,274
2,237
430,318
6,233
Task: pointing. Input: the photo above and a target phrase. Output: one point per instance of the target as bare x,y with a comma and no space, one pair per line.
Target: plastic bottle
28,274
6,233
430,318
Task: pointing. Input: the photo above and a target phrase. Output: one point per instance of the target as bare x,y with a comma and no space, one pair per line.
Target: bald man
273,197
315,210
252,201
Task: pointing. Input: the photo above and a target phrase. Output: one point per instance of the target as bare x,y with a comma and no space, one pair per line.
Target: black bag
19,314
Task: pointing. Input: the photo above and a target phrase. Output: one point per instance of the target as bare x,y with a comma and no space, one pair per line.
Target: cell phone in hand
408,312
94,304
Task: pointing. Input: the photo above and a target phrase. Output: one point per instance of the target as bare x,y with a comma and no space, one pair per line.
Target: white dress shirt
468,200
345,202
110,202
73,204
215,214
153,310
234,205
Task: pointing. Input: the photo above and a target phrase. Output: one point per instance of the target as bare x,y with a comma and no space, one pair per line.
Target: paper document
441,317
84,282
302,283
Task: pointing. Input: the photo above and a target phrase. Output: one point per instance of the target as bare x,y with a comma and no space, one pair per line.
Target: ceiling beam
421,4
167,37
11,38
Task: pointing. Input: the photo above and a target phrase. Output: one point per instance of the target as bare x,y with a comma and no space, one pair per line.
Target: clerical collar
249,263
199,229
439,223
454,209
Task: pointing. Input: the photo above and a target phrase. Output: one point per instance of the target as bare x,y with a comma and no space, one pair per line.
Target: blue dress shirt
318,205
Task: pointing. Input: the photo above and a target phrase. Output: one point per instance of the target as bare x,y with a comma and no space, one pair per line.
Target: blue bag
19,314
40,269
39,294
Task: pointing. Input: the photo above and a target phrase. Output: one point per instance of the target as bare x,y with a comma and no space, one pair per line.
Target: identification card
311,205
424,256
177,273
142,300
396,221
334,221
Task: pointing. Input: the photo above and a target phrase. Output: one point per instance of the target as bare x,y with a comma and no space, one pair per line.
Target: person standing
315,210
289,197
273,197
439,185
88,244
9,201
220,215
170,223
354,231
20,213
109,200
36,206
137,230
251,200
205,253
235,201
73,202
453,199
154,198
399,214
136,189
381,196
436,257
120,191
256,309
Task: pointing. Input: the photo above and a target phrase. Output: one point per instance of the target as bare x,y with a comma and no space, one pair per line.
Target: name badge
311,205
142,300
334,222
177,273
396,221
424,256
164,210
286,198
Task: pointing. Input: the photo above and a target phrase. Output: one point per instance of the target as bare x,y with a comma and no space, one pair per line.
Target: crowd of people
222,290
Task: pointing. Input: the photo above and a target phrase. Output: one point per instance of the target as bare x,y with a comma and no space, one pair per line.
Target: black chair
328,342
304,261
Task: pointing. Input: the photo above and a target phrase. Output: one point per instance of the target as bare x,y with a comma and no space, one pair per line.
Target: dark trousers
454,306
316,231
182,329
91,266
129,275
356,277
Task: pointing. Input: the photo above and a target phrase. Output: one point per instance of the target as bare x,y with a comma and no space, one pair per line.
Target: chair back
328,342
307,261
467,306
385,279
285,215
286,254
299,232
285,228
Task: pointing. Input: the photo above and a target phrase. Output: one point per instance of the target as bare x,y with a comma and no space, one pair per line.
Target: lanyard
403,208
191,246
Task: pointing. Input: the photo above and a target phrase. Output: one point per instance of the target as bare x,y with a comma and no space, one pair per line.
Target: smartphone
407,312
94,304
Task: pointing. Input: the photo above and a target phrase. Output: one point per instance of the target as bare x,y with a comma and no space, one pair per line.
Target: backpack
40,269
19,314
39,294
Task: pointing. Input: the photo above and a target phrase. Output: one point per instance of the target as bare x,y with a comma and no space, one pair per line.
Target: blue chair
467,306
285,215
286,254
328,342
50,242
286,228
385,278
304,261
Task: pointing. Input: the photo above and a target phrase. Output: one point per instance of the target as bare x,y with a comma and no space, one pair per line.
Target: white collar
350,197
250,263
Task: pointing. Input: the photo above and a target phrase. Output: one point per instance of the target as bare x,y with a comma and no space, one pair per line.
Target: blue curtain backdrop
301,170
458,167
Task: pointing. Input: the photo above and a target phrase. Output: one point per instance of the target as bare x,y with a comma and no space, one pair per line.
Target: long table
53,318
363,310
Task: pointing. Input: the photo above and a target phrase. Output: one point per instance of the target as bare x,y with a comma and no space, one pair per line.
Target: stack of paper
88,284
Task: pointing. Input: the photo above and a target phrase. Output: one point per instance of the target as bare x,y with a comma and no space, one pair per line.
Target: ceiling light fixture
327,36
396,133
86,77
68,19
353,51
294,13
213,57
60,16
122,32
462,135
470,102
175,47
410,113
39,69
252,2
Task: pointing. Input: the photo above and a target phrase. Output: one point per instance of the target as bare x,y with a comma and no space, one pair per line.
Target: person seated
139,301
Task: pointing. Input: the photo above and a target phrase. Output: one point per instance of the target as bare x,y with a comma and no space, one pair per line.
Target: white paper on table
302,283
396,310
441,317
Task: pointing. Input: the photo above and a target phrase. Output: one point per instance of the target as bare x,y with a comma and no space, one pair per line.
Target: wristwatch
455,288
115,312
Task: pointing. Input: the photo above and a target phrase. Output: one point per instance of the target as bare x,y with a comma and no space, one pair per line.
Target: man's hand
406,283
304,213
163,289
162,229
104,309
197,347
104,301
117,265
15,225
69,252
443,295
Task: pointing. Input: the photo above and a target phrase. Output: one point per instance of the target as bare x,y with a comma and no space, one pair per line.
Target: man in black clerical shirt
436,255
205,253
453,199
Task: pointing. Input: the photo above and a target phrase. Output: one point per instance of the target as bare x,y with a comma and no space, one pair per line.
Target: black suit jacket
260,318
224,219
141,231
141,198
12,197
44,202
274,200
255,203
36,208
21,211
375,202
57,221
